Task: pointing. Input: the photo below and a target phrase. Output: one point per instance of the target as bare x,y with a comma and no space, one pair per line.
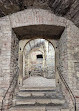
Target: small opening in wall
20,48
16,59
40,56
0,51
14,41
25,7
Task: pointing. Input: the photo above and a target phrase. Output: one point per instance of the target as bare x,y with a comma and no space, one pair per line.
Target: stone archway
44,67
50,27
63,32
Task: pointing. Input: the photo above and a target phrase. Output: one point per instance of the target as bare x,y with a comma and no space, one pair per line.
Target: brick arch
33,49
39,38
36,17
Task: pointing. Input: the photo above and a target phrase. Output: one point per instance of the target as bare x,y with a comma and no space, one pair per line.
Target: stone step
41,93
56,109
21,108
27,94
41,90
37,108
37,71
36,88
33,101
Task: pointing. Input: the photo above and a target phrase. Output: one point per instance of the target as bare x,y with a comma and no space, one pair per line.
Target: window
40,56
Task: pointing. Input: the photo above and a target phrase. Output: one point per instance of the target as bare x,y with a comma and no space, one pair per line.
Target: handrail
68,88
15,76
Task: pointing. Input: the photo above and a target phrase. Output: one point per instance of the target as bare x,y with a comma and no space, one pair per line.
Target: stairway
39,99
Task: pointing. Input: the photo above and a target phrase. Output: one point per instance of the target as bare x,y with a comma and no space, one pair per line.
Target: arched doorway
38,59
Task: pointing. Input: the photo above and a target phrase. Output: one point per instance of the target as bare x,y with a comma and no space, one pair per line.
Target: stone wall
14,54
34,65
73,59
69,58
73,54
8,55
5,54
13,66
63,58
50,61
63,68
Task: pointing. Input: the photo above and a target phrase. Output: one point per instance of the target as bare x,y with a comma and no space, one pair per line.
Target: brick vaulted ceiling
66,8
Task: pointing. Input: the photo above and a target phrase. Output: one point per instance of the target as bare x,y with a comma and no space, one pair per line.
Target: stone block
64,110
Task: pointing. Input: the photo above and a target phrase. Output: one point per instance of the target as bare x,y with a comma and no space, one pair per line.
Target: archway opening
27,35
39,62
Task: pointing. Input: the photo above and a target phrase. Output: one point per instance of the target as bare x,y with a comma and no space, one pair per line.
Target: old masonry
39,62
